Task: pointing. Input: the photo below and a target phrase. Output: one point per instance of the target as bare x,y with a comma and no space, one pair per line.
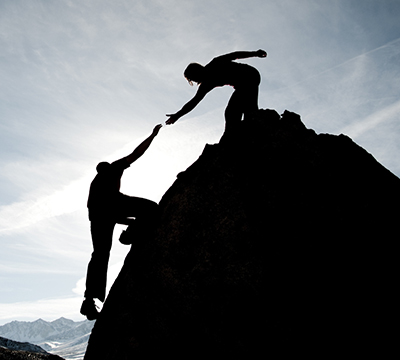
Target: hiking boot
89,309
126,237
135,232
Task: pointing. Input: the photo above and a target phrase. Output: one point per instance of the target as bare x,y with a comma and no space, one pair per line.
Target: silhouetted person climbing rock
107,207
221,71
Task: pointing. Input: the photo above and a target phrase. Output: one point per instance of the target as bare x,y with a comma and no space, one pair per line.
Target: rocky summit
277,242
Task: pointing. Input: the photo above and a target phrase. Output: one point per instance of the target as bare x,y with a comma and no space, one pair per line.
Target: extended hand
261,53
157,129
172,119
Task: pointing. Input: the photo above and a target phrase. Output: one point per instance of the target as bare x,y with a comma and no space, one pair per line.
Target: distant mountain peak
61,335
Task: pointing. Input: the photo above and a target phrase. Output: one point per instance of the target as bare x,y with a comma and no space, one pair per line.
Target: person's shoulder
206,86
120,164
218,61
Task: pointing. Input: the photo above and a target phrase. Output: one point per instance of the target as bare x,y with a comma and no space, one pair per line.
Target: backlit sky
83,81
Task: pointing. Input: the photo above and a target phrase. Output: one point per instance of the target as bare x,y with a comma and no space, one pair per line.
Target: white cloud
28,212
53,308
389,113
46,309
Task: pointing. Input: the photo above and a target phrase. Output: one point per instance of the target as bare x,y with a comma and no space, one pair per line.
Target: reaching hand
172,119
261,53
157,129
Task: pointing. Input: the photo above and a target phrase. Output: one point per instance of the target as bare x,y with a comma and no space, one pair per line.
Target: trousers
102,227
244,99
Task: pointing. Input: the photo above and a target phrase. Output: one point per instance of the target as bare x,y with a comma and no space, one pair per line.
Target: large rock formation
278,242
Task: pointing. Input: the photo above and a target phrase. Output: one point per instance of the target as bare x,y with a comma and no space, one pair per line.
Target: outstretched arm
141,149
243,55
189,106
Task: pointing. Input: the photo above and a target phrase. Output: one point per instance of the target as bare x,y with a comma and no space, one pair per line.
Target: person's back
105,188
220,72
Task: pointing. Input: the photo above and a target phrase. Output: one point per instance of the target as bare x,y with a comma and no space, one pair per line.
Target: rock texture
9,354
278,243
15,350
24,346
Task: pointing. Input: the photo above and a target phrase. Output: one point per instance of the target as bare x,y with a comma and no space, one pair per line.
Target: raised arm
242,55
141,149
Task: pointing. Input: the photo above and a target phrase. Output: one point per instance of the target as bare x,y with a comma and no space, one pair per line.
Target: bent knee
252,78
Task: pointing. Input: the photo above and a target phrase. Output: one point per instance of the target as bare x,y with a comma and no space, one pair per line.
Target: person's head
194,72
102,166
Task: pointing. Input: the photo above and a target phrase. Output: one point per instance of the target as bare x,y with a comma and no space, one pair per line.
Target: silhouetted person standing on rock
221,71
107,207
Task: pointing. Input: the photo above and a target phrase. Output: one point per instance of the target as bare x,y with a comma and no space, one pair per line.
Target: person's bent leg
234,110
233,116
250,101
146,214
140,208
250,92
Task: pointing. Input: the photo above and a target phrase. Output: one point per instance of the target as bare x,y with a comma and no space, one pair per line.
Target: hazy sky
86,80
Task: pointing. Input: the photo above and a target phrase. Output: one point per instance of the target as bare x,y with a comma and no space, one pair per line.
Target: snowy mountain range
62,337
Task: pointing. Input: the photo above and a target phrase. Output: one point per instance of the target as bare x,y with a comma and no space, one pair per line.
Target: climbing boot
89,309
